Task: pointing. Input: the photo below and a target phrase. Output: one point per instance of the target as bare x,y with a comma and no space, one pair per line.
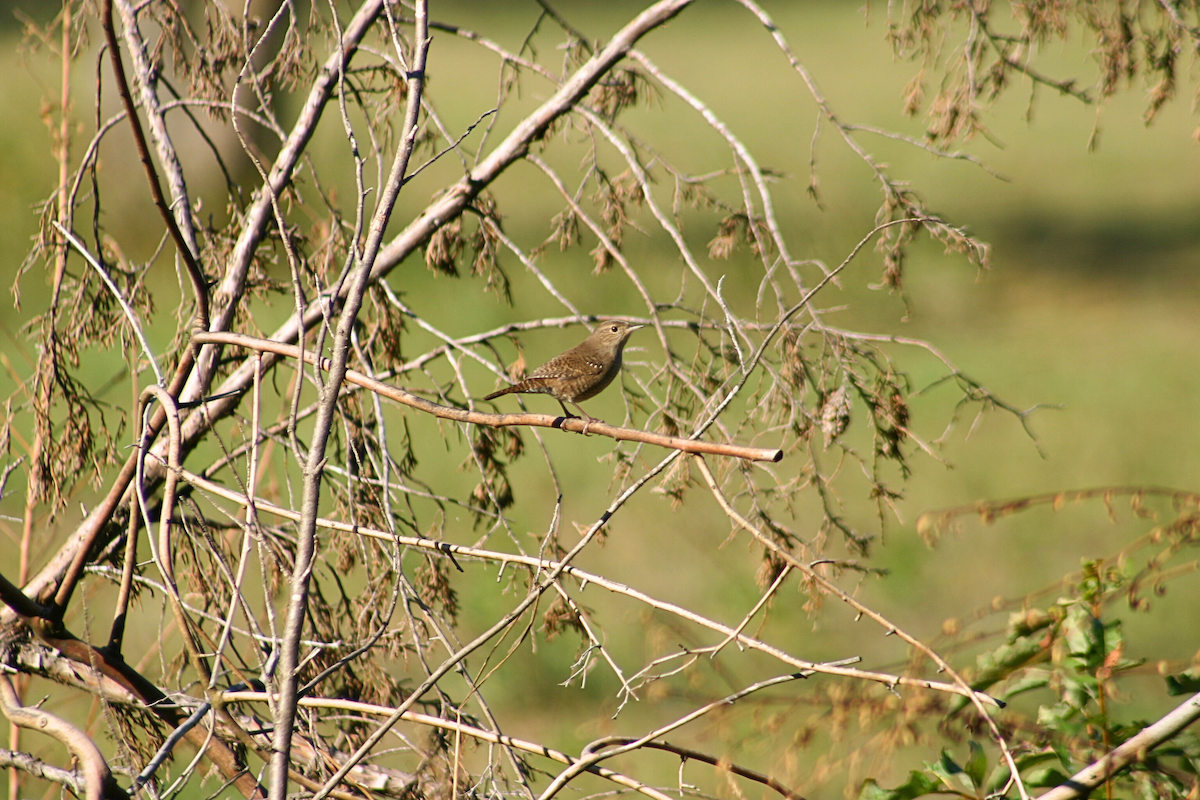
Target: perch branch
495,420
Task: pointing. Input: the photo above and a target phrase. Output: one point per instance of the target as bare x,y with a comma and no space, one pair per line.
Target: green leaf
918,785
1032,679
1033,759
1079,690
1006,659
1050,776
1001,773
1054,716
976,766
1026,623
1084,635
1184,683
998,778
946,768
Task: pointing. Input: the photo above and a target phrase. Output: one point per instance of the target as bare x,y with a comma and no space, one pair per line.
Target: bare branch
96,775
573,424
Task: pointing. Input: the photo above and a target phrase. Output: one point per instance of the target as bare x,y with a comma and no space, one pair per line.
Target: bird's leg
569,415
589,419
566,413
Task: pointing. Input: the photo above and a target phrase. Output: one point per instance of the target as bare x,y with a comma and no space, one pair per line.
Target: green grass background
1091,305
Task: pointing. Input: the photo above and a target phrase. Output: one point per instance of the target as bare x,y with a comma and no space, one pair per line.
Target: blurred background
1090,306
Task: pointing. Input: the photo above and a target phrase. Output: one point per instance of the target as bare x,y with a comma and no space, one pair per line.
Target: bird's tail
508,390
527,386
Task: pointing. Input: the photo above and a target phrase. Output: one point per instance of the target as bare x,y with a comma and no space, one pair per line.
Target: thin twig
978,699
592,757
539,566
134,323
456,727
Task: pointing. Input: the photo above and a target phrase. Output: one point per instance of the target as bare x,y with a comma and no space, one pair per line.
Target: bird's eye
615,328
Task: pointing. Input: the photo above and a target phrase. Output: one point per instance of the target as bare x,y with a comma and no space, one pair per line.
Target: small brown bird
580,373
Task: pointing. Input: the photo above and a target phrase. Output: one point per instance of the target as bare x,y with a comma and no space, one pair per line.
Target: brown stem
199,282
297,612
